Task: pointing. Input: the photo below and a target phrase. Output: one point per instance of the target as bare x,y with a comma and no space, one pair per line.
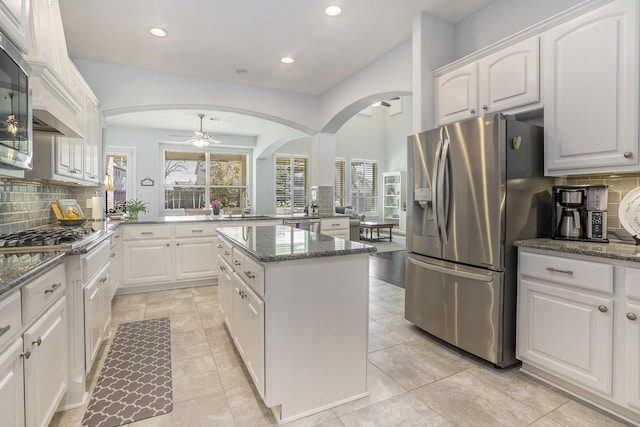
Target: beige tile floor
412,379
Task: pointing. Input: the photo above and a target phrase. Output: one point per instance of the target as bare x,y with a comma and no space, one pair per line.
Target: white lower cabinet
97,314
568,332
45,367
34,364
12,384
336,227
579,326
248,329
195,258
303,342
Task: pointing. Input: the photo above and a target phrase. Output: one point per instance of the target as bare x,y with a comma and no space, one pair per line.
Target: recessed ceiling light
333,10
287,60
158,32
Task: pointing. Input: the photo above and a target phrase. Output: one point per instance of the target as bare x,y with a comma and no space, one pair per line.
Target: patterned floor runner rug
135,381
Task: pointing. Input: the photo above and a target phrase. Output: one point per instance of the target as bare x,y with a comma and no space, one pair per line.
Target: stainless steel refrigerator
475,187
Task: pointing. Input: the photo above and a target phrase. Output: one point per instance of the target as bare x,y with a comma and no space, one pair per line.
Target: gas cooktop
46,239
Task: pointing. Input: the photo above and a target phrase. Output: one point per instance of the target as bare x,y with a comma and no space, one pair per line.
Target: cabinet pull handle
226,253
628,154
147,233
631,316
177,244
249,275
485,107
113,255
26,354
219,246
236,262
37,342
53,288
603,308
196,231
222,268
555,270
168,245
472,110
5,329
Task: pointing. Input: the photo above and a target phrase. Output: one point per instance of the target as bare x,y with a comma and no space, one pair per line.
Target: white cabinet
631,324
97,301
69,155
568,332
336,227
225,291
506,80
579,328
303,342
14,21
12,384
161,255
115,262
394,197
591,92
45,367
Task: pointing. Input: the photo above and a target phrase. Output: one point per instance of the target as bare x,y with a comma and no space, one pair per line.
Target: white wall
502,18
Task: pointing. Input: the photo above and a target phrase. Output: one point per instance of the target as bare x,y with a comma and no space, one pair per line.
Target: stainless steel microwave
16,127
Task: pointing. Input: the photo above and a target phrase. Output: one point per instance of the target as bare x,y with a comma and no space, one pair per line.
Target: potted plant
133,207
215,206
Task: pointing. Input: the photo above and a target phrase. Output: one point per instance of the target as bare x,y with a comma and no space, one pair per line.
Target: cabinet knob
37,342
249,274
485,107
628,154
53,288
167,245
219,246
26,354
631,316
603,308
472,110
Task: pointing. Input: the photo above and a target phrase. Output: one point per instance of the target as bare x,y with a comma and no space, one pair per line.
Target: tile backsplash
27,204
619,186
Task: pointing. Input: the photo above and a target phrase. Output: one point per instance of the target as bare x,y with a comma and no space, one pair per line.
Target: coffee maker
580,212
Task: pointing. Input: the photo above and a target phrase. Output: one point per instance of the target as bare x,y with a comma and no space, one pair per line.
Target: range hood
56,110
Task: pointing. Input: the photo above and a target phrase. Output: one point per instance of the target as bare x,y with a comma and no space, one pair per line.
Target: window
119,166
364,186
338,183
292,184
193,179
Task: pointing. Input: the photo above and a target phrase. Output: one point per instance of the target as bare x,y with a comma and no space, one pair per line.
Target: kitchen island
296,305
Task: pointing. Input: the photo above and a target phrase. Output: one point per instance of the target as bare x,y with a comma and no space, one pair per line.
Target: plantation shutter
338,184
364,186
292,184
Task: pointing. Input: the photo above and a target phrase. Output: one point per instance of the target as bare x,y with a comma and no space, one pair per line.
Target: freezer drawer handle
465,274
555,270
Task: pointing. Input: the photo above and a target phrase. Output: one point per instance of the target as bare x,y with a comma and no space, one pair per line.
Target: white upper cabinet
505,80
591,92
14,21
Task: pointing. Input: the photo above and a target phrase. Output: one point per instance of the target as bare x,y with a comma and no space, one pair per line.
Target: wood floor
388,267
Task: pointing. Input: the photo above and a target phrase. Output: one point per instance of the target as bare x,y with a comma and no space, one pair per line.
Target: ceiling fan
385,103
201,138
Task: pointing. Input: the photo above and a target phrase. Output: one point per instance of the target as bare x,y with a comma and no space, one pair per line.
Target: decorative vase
216,210
133,216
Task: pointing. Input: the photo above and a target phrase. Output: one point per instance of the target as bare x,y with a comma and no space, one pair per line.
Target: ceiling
216,38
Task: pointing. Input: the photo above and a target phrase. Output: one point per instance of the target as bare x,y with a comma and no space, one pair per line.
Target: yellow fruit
72,216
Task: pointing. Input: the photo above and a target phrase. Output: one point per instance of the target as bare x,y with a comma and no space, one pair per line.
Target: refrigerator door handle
441,206
466,274
435,184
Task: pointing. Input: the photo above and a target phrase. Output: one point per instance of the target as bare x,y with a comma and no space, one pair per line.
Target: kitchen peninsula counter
296,305
611,250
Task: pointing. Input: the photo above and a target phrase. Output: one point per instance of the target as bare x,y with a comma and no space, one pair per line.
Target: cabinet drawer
195,230
582,274
632,282
43,291
141,232
95,260
329,224
10,318
253,275
226,252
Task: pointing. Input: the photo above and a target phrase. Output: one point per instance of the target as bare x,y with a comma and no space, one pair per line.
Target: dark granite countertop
611,250
282,243
17,269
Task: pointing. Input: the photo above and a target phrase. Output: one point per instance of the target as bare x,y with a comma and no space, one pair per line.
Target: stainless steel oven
16,124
